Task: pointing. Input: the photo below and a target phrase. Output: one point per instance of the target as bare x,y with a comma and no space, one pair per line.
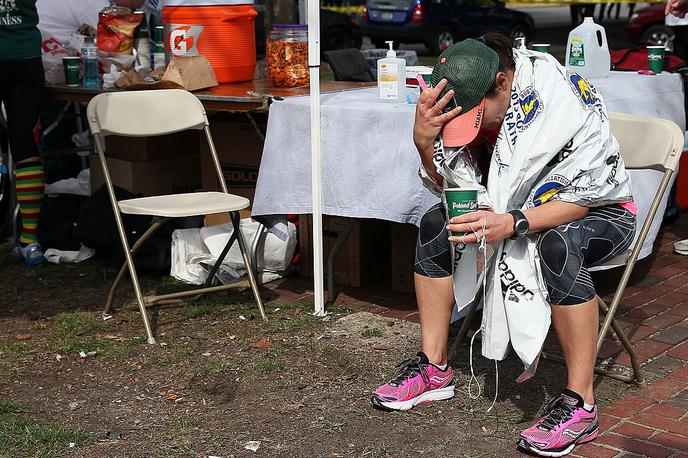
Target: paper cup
655,58
541,47
459,202
71,70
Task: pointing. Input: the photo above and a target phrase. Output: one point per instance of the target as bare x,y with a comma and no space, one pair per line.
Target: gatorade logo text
510,283
184,39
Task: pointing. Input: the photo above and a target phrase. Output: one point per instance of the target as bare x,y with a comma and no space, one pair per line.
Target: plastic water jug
587,52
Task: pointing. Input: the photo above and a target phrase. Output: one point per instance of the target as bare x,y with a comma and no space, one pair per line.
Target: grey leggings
566,251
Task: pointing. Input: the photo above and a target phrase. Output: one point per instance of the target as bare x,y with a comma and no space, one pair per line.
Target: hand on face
676,7
430,115
498,226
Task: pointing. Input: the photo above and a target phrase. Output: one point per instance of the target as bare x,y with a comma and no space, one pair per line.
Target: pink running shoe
566,424
418,382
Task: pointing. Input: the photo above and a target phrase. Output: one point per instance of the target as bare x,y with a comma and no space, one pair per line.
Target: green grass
269,361
13,348
124,348
21,435
175,358
78,331
9,375
198,311
371,332
291,317
217,366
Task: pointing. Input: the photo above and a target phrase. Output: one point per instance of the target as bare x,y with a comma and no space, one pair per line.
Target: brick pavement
653,422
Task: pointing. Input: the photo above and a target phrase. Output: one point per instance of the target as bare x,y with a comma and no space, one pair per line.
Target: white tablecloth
370,162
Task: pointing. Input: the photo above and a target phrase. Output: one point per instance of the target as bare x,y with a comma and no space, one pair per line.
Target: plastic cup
655,58
459,202
71,70
541,47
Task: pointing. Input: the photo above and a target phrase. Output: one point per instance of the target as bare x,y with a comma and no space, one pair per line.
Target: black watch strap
520,224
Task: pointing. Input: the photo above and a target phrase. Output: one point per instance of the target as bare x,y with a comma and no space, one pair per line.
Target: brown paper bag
192,73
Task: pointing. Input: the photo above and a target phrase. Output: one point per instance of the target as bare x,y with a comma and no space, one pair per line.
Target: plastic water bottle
89,59
587,52
142,45
159,53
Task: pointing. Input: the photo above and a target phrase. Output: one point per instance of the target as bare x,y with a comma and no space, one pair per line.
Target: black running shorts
566,252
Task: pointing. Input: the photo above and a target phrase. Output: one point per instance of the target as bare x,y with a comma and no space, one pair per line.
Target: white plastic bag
52,53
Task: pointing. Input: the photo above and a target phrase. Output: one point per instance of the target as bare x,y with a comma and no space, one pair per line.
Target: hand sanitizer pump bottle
391,77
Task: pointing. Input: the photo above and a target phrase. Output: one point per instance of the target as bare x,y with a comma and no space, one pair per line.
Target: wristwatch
521,224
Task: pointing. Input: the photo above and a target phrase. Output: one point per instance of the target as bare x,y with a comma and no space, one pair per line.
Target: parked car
337,30
440,23
647,26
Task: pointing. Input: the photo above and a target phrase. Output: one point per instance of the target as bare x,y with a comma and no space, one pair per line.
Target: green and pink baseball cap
470,68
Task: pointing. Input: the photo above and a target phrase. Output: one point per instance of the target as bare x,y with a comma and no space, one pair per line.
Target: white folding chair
153,113
645,143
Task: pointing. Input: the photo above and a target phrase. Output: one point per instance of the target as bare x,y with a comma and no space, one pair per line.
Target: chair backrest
349,65
145,113
647,143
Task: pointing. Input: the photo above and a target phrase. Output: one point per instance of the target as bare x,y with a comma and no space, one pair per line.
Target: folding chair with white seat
153,113
645,143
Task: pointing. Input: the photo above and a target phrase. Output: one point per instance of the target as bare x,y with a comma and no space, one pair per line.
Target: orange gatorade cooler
221,30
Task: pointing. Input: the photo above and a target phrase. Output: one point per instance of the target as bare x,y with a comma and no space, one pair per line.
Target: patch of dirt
204,390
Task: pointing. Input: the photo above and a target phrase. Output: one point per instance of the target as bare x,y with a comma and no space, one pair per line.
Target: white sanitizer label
388,82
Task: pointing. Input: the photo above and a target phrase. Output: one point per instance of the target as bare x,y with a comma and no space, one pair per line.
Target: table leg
79,128
331,258
257,129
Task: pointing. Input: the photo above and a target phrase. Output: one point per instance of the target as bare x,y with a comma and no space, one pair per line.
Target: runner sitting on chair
557,190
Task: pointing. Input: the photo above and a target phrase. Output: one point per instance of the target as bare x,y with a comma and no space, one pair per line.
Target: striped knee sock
29,185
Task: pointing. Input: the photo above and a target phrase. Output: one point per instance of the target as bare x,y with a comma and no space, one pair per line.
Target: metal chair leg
135,280
220,259
134,249
628,346
247,262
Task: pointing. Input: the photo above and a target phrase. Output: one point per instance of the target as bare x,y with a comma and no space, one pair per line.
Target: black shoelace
558,412
409,368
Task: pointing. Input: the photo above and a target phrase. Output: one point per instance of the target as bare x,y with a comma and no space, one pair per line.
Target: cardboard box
146,149
167,176
404,238
239,149
363,260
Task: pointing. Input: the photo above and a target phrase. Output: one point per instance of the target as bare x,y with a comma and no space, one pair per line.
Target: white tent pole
316,175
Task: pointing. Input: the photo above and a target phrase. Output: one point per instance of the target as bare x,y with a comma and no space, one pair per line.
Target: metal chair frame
198,122
671,155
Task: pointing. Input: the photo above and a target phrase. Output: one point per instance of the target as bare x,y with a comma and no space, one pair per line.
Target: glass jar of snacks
287,55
